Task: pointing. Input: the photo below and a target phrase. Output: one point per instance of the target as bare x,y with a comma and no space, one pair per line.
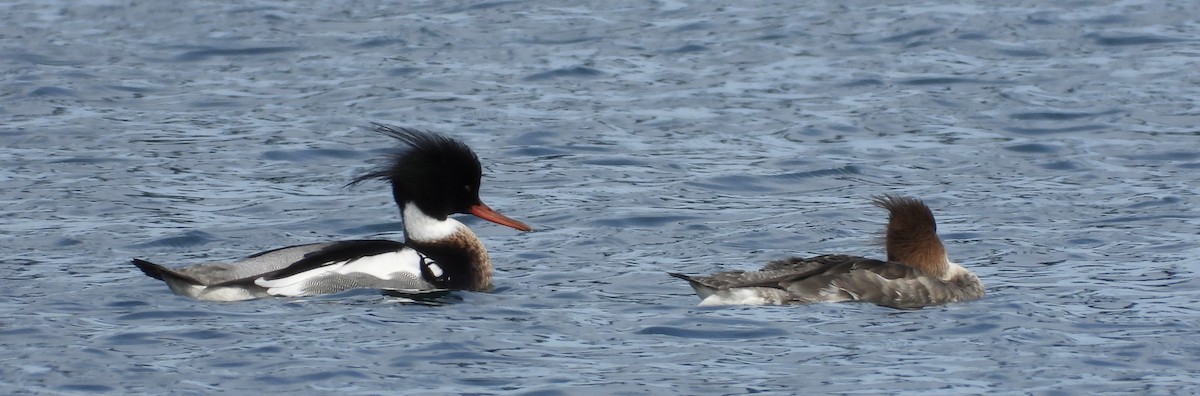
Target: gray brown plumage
917,273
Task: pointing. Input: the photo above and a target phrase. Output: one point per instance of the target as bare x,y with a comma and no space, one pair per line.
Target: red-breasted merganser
432,177
917,272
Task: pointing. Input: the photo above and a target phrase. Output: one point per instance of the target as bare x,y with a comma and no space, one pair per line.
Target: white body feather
386,266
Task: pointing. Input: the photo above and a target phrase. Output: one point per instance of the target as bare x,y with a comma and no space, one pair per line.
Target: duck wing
324,254
775,274
828,278
371,264
275,263
886,283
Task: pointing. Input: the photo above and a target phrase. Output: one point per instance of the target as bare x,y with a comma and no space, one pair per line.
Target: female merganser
432,177
917,274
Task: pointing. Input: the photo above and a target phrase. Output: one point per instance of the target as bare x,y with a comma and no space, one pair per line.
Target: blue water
1059,146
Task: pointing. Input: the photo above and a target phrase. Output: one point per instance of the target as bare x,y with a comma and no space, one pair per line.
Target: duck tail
162,273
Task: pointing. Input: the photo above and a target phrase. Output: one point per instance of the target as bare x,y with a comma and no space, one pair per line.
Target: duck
916,274
432,177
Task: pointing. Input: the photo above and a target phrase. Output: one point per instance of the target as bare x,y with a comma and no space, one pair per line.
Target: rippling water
1058,145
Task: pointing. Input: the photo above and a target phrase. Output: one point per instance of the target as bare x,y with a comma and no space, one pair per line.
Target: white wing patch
434,268
833,293
383,266
745,296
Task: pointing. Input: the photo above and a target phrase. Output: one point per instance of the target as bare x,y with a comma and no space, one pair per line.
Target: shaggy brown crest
911,235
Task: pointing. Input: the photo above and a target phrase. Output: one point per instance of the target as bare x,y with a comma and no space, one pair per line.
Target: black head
438,174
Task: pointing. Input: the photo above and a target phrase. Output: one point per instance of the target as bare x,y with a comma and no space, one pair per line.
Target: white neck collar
421,227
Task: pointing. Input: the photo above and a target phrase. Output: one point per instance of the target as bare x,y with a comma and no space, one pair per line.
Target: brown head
911,236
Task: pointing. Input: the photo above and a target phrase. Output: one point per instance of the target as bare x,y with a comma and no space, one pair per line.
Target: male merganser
918,272
432,177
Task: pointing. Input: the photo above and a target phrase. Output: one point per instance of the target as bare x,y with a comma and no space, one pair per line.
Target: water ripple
571,72
638,138
722,334
205,54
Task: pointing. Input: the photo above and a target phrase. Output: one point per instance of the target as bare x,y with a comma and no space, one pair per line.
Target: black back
337,252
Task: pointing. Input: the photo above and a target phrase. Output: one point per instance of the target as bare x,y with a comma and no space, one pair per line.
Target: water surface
1058,146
